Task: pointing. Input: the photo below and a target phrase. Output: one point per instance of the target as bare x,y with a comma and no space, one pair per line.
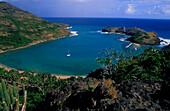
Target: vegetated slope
134,83
19,28
145,38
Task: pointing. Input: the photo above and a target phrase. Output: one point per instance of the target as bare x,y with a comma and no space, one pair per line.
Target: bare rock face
114,30
130,95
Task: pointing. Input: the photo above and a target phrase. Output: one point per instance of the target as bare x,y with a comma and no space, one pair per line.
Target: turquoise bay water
84,48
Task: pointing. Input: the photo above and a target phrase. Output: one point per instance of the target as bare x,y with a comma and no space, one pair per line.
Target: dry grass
108,82
113,92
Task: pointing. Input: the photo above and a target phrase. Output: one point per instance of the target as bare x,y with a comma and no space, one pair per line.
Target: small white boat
69,54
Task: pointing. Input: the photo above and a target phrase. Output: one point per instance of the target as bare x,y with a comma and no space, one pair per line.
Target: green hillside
19,28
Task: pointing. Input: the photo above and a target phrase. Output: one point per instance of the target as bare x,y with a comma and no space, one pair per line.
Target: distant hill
20,28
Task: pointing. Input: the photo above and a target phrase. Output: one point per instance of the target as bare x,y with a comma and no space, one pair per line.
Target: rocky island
19,28
138,35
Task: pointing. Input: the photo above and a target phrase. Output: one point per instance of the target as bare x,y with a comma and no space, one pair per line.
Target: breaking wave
74,33
164,42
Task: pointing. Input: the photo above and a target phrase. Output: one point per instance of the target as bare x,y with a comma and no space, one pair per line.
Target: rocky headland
138,35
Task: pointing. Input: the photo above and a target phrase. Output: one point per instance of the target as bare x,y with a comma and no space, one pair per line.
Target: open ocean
85,45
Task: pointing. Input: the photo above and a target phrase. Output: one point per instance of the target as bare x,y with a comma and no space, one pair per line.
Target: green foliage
36,84
2,94
15,90
147,37
91,89
0,105
14,40
151,65
11,96
9,101
19,28
72,78
2,2
111,58
6,95
146,33
80,78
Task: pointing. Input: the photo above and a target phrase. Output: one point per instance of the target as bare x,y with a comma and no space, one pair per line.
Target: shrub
151,65
91,89
113,92
108,82
147,37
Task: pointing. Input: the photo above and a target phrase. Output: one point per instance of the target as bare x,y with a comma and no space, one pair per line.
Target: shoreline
58,76
66,76
31,44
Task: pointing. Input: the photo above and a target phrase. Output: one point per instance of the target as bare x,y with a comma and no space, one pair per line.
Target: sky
156,9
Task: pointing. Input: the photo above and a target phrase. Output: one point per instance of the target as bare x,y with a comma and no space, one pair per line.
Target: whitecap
164,42
99,31
105,32
74,33
129,45
69,27
122,39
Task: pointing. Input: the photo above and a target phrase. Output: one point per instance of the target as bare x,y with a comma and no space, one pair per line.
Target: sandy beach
66,77
58,76
138,45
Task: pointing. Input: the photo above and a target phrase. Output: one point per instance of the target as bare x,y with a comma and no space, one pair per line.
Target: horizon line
111,18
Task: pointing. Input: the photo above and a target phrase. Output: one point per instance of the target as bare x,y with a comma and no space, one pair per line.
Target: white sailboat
69,54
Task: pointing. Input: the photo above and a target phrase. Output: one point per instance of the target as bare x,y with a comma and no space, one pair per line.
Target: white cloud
166,9
166,12
159,10
131,9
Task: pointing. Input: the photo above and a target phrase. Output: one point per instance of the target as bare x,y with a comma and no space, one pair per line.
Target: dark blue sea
85,45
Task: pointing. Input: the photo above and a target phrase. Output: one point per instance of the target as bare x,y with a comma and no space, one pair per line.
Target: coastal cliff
19,28
138,35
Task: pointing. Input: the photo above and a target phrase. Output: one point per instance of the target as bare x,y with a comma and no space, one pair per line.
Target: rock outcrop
166,47
114,30
92,94
137,35
145,38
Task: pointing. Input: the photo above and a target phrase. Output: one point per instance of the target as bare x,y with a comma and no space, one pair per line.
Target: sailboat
69,54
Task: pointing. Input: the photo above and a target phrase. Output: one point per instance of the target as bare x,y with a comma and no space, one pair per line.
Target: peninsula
138,35
20,29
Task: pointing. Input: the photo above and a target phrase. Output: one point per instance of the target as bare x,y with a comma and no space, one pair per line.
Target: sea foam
99,31
128,45
122,39
74,33
69,27
164,42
